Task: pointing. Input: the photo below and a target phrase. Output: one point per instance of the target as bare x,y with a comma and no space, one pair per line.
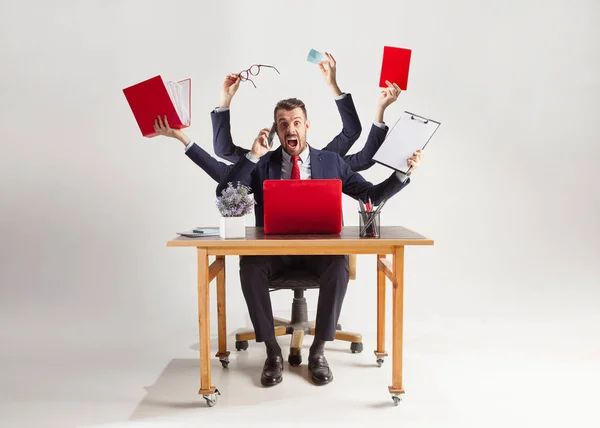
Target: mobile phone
272,133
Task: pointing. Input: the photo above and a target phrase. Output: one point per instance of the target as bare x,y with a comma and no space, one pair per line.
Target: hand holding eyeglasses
229,88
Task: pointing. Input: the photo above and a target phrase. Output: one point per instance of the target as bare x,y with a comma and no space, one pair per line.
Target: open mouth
292,142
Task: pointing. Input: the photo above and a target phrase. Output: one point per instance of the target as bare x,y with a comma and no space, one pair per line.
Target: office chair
299,325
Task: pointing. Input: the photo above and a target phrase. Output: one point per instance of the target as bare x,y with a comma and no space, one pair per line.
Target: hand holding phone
260,145
272,133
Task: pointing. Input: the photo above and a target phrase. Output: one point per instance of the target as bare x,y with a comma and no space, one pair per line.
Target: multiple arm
341,144
225,148
351,127
221,123
355,186
214,168
363,159
247,171
241,171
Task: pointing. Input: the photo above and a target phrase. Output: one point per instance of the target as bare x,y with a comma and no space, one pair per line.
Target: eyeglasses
253,71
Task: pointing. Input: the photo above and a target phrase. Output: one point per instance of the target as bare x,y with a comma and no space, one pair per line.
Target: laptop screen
302,206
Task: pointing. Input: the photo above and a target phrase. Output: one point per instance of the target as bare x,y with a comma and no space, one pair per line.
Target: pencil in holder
369,224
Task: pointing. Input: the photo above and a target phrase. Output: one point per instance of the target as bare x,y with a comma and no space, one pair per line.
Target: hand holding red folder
162,127
395,66
155,97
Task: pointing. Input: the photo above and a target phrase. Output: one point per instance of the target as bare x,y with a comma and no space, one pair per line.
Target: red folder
155,97
394,66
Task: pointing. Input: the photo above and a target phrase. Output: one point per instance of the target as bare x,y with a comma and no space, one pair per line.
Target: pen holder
369,225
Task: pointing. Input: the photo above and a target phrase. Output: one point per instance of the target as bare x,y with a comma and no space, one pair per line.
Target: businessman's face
291,130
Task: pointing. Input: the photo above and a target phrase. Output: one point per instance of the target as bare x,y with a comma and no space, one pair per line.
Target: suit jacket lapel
275,165
316,164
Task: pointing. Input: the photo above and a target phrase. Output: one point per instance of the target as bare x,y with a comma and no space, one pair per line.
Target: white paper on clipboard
410,133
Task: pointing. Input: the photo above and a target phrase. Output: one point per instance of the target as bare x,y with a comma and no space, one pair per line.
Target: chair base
298,327
298,331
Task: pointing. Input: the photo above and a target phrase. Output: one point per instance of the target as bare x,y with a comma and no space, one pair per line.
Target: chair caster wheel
379,362
241,345
295,360
356,347
224,362
211,399
396,400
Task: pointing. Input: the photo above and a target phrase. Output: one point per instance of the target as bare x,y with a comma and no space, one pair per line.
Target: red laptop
302,206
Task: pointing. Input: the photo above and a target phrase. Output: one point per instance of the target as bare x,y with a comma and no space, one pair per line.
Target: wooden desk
392,241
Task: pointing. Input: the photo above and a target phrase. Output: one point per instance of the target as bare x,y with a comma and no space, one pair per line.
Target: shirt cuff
379,124
341,97
402,176
220,109
251,158
188,146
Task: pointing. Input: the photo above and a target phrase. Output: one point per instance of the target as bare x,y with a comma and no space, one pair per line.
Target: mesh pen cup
368,224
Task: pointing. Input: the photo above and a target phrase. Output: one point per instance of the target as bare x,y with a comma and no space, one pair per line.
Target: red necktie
295,168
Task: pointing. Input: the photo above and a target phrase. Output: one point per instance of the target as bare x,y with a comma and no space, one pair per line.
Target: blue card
315,56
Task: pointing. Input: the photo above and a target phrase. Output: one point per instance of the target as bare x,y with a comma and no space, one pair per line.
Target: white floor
458,374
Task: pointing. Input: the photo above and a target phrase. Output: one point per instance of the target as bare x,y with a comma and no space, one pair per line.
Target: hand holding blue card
315,56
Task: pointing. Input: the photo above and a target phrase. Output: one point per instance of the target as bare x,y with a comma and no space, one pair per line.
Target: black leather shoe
319,368
272,371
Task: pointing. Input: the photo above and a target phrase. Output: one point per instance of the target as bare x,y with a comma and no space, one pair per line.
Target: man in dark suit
296,160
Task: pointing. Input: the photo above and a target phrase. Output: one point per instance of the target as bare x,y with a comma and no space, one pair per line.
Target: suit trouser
256,271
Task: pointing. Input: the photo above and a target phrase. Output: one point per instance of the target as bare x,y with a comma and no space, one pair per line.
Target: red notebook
394,66
155,97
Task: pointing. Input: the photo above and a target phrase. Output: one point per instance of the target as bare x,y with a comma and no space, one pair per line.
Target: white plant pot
233,227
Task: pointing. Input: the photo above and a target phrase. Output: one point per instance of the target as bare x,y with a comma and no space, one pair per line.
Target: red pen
368,207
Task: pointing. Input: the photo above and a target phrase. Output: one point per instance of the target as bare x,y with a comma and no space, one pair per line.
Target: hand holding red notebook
155,97
395,66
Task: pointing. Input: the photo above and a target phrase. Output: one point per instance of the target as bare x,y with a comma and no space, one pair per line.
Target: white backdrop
507,190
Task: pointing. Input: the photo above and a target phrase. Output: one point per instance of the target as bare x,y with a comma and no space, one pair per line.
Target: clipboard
410,133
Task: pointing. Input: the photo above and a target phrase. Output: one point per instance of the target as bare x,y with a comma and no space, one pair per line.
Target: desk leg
380,352
397,321
223,354
208,391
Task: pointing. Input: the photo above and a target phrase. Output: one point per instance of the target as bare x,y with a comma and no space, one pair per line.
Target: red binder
394,66
155,97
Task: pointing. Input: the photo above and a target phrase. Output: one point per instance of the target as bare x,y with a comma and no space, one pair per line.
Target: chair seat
295,279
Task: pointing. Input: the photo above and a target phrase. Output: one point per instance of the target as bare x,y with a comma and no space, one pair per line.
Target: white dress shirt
303,163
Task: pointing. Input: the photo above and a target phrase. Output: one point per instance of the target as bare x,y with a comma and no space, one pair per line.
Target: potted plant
234,204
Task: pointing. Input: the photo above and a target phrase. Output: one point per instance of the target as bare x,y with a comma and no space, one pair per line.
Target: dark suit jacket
323,164
215,169
351,130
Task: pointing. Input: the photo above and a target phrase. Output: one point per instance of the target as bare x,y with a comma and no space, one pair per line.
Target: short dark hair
289,105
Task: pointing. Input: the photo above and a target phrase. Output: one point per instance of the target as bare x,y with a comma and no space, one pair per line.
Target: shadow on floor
175,390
